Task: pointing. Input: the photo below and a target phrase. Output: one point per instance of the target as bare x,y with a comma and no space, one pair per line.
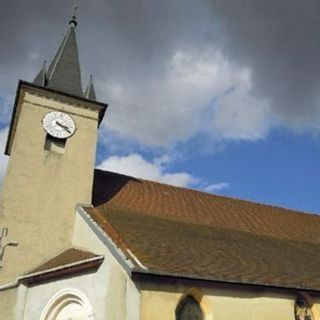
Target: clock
59,124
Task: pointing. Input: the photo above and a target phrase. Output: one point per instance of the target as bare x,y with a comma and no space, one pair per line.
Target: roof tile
65,258
177,231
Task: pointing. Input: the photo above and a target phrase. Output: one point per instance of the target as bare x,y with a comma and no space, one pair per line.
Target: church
80,243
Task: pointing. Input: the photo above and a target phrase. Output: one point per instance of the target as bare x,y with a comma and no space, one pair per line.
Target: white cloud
157,170
196,92
135,165
215,187
240,116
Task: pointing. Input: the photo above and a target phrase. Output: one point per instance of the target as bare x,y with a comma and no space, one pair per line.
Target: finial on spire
73,22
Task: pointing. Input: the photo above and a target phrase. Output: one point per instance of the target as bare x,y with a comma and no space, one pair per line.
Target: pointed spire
64,71
90,92
40,78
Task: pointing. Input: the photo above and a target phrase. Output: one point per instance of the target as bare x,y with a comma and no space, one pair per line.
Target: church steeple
64,72
51,143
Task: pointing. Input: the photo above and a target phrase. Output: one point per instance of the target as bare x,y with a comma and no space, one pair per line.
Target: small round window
302,309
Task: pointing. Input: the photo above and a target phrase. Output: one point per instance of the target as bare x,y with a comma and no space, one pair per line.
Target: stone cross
4,242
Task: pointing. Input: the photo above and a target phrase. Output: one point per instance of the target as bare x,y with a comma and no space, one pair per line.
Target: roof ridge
295,211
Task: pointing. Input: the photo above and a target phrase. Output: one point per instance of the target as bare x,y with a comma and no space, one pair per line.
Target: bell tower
51,145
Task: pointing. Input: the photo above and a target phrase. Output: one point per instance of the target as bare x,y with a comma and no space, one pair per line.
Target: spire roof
90,92
64,70
40,78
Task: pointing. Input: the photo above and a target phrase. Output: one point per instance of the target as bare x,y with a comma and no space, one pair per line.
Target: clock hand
63,126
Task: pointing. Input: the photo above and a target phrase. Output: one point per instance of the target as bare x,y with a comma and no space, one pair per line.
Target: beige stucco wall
110,291
8,303
122,298
93,285
219,302
41,188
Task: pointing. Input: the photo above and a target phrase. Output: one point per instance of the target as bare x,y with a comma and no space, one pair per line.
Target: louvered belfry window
189,309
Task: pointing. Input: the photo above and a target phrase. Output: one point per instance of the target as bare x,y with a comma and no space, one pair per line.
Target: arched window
189,309
68,304
302,309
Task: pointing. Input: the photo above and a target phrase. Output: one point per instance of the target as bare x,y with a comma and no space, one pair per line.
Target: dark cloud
132,41
122,36
280,41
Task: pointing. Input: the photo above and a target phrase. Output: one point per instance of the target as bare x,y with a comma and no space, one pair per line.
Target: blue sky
281,169
215,96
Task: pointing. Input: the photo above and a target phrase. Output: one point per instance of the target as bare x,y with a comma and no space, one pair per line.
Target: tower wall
41,187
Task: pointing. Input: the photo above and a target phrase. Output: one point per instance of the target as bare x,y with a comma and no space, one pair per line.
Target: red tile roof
184,232
70,261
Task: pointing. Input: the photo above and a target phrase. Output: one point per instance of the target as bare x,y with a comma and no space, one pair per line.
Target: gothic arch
194,296
68,302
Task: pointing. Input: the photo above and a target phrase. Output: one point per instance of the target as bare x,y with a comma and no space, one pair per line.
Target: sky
222,96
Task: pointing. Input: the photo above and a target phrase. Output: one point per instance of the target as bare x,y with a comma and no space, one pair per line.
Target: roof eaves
101,105
119,254
158,273
77,266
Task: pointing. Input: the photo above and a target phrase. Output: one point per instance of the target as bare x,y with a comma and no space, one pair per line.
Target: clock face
59,124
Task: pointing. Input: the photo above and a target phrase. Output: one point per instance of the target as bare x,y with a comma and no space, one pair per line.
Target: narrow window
54,144
302,309
189,309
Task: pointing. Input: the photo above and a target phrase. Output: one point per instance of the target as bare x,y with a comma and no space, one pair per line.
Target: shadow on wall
107,184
